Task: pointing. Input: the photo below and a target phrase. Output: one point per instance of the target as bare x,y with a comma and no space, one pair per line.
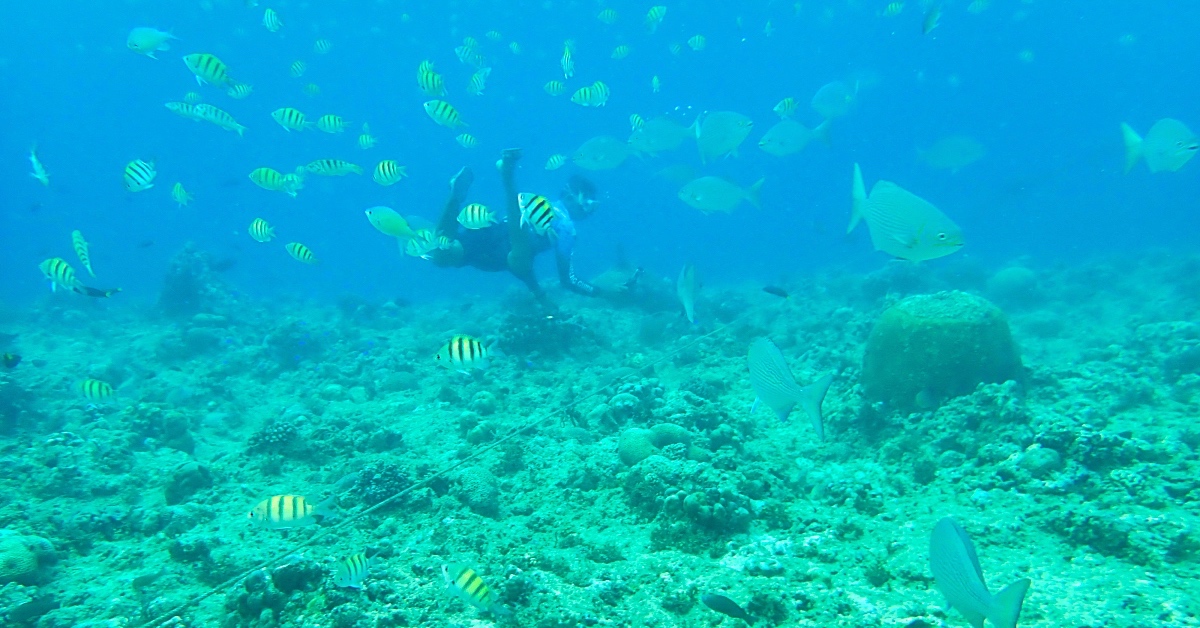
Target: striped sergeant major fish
464,353
352,570
280,512
60,274
139,175
466,584
538,212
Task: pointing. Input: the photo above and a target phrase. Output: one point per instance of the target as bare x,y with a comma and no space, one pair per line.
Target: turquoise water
606,467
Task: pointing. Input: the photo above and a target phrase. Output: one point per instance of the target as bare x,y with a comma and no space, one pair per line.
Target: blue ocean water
1050,186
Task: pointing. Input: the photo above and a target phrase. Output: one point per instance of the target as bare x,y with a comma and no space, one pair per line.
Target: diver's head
579,197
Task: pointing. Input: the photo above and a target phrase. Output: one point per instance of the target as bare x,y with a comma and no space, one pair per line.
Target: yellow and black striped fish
267,179
238,91
536,211
388,172
333,167
139,175
181,195
594,95
555,88
298,68
219,117
285,511
322,46
261,231
420,244
465,583
478,81
464,353
444,113
466,140
568,64
182,109
620,52
208,69
351,571
60,273
331,123
293,181
95,390
271,20
301,252
430,81
81,250
476,216
556,161
290,119
366,140
654,17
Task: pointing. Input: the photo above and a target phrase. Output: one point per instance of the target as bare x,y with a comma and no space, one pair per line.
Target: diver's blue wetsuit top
487,249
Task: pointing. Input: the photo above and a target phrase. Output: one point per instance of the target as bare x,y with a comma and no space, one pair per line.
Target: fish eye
942,236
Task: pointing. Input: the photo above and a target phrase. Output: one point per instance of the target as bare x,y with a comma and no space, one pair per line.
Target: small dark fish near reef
726,606
10,360
777,291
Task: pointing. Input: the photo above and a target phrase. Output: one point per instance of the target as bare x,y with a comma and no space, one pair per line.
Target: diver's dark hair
579,197
578,186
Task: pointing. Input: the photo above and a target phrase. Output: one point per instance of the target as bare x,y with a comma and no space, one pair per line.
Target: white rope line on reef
170,617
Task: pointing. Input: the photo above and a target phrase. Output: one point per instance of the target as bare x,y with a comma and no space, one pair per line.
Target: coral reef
631,479
24,559
930,347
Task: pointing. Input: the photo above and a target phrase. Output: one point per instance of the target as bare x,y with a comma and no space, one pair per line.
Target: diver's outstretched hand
461,182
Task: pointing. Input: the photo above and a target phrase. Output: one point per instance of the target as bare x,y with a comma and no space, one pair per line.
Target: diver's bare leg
460,184
520,255
447,225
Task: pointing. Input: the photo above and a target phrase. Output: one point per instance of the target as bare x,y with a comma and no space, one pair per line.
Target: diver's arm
566,274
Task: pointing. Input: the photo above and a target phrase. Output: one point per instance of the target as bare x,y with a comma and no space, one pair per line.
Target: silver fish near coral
685,289
775,386
956,571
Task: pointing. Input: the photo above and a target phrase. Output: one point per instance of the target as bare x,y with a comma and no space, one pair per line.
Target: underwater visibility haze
600,313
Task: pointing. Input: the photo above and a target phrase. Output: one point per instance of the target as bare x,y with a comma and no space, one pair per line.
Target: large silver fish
775,386
685,289
901,223
1167,146
956,571
720,133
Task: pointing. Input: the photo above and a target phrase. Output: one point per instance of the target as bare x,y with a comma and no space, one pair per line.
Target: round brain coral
937,345
17,561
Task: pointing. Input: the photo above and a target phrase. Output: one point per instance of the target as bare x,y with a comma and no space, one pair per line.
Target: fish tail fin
858,197
1133,146
753,193
1007,604
821,132
810,401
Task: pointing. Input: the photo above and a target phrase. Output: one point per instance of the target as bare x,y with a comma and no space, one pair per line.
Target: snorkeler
511,244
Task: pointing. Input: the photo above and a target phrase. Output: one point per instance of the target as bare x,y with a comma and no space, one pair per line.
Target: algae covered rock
635,445
931,347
